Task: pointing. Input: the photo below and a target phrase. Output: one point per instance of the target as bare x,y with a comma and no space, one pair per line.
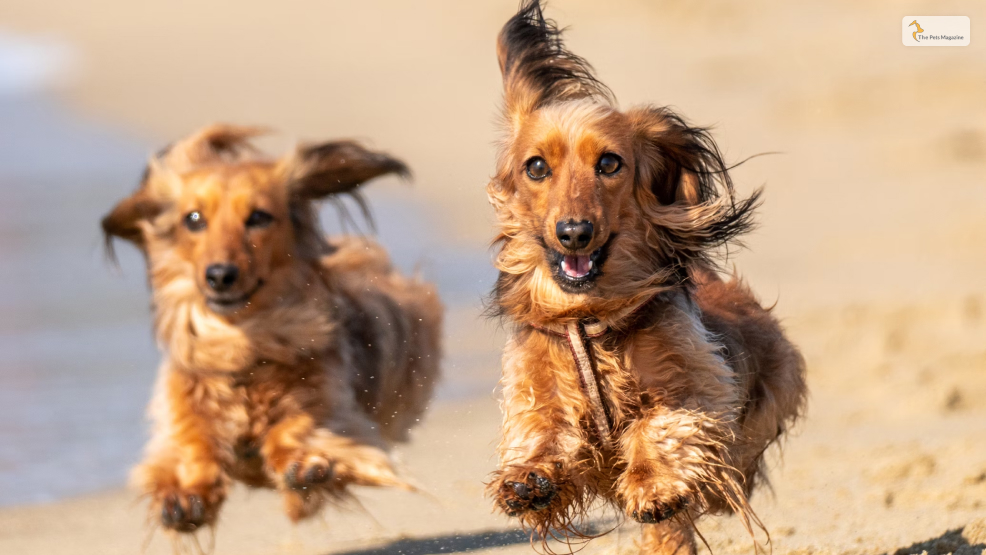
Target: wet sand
871,238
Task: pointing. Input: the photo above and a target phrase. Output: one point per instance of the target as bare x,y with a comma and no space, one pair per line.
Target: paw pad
300,477
183,515
533,494
659,512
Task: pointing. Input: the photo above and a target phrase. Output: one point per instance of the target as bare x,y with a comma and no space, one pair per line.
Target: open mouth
576,267
577,273
226,304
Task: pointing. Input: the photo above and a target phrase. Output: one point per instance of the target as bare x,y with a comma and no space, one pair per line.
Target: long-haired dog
633,372
291,361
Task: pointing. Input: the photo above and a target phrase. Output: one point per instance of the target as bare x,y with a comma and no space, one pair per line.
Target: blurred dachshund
633,371
291,360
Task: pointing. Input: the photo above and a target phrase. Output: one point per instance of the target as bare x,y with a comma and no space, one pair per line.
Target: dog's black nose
572,235
221,276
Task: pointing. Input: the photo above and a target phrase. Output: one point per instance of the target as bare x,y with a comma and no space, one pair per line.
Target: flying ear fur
327,170
536,67
317,171
684,187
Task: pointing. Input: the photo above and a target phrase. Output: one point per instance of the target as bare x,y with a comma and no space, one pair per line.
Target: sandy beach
871,240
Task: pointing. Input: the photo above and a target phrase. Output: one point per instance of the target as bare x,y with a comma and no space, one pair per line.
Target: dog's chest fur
665,358
240,379
538,366
239,408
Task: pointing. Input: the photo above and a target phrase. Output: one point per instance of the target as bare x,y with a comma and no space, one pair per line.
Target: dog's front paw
533,494
309,478
522,489
651,496
183,507
187,512
187,509
333,469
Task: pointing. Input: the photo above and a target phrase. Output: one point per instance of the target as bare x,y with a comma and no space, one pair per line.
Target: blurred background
871,242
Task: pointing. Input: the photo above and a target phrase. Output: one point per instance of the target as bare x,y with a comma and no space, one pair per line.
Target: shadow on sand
455,543
970,540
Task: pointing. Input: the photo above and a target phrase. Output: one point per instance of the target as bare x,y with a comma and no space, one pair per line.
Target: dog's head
219,220
597,206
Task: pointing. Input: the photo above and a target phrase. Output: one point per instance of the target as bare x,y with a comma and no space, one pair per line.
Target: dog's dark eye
194,221
537,168
609,164
259,218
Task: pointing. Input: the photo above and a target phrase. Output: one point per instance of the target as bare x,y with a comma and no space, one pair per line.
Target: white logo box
935,30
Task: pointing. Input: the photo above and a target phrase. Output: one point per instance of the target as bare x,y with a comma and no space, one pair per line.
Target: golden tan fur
698,380
300,375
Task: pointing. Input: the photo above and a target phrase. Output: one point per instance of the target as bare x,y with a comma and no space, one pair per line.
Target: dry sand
890,456
871,239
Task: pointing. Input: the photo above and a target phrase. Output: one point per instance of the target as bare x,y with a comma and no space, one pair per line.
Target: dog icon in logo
915,33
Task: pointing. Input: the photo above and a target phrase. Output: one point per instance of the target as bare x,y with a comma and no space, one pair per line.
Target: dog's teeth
588,266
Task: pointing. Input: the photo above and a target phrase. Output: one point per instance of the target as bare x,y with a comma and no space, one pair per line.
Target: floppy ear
317,171
683,185
536,67
124,220
679,163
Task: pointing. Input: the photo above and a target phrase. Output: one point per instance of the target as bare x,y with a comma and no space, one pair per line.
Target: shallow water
77,354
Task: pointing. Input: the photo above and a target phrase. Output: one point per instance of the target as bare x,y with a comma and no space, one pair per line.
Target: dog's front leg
544,458
676,452
182,472
673,458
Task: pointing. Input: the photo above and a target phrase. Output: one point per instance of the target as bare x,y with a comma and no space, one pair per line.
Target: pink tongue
576,266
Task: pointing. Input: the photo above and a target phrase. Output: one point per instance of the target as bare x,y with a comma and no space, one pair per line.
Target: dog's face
233,227
572,167
214,217
596,204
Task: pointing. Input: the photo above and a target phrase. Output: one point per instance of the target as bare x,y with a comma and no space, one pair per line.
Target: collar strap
587,379
576,332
